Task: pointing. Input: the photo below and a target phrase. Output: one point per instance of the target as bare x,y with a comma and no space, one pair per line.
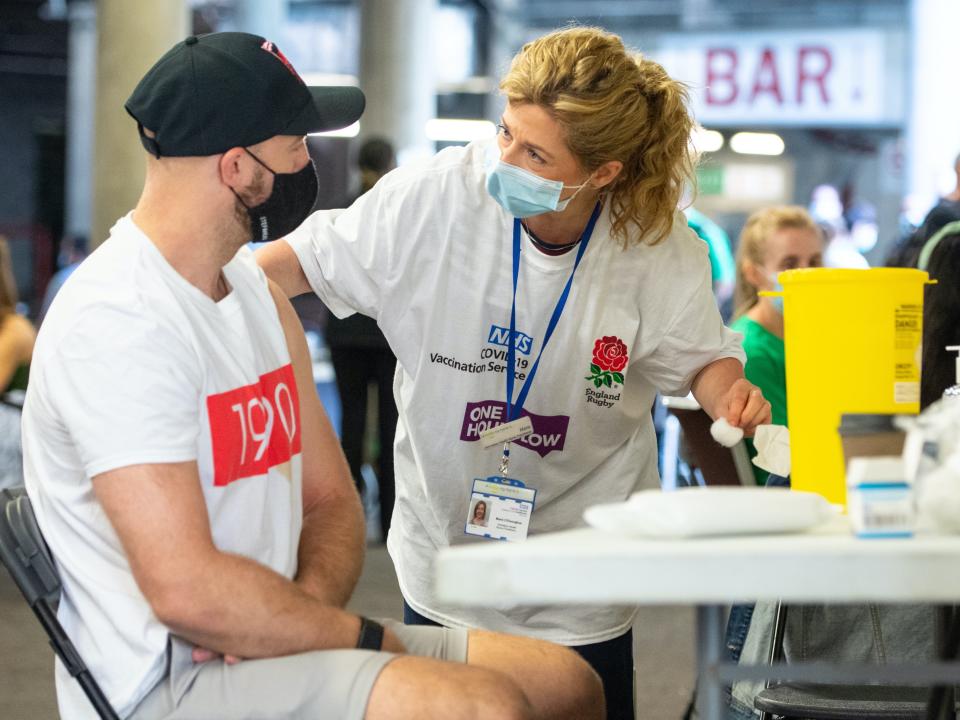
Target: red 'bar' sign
255,427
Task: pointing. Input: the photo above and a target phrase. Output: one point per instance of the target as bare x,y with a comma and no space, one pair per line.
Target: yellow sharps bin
853,342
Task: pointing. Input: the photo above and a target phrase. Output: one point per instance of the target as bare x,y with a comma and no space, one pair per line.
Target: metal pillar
129,42
81,109
397,74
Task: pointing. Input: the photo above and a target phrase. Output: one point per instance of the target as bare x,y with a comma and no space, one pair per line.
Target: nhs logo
501,336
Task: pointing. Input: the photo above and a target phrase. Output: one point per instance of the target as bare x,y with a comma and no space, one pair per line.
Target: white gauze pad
725,433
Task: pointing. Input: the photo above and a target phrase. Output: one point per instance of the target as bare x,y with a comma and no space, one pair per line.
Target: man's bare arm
332,539
281,265
228,603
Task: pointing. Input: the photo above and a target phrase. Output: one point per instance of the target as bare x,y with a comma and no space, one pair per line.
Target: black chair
802,701
842,702
28,560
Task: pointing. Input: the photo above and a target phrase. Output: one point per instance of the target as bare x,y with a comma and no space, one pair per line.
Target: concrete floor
664,649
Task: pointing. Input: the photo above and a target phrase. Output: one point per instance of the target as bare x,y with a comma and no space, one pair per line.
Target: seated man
180,464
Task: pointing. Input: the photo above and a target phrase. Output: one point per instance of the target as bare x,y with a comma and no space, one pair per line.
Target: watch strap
371,635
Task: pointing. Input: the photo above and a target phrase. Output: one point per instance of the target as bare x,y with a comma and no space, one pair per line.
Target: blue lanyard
514,410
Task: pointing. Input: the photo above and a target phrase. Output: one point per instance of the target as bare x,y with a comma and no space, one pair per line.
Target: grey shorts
334,684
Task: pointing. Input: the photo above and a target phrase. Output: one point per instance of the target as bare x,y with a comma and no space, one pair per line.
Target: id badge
500,509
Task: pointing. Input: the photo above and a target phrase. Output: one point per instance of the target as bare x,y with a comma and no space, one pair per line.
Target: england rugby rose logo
609,358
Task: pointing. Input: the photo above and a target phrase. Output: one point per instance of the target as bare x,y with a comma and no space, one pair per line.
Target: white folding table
828,565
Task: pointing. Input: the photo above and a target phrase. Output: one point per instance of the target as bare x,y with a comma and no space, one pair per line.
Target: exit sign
710,180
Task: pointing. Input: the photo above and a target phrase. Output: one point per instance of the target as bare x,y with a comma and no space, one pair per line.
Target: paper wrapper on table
693,512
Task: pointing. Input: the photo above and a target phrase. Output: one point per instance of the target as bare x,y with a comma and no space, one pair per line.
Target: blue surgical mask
524,194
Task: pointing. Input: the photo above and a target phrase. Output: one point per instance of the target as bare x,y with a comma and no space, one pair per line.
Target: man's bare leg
505,678
418,688
555,679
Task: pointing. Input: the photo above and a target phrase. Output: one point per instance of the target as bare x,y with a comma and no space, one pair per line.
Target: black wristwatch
371,635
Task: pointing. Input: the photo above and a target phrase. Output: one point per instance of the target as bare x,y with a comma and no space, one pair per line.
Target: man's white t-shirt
428,253
135,365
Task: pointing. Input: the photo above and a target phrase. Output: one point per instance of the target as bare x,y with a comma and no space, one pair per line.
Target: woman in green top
774,239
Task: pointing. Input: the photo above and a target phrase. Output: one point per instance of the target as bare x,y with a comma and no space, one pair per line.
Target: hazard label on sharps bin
909,326
908,336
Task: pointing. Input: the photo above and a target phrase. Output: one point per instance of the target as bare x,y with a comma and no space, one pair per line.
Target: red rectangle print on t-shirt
255,427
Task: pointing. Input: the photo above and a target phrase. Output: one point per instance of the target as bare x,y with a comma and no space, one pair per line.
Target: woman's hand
744,406
723,391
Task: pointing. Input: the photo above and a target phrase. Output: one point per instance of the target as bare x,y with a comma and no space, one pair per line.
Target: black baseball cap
210,93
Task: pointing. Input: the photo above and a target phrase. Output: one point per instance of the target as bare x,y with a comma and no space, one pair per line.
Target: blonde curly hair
613,105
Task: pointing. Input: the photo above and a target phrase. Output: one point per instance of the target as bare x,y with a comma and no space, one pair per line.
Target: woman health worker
544,277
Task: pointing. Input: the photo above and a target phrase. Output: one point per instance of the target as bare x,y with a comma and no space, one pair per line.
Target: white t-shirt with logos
428,253
135,365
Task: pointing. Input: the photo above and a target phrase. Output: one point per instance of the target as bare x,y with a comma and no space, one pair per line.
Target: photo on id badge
499,509
478,516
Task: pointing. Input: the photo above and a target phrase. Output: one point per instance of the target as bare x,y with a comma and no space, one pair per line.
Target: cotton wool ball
725,433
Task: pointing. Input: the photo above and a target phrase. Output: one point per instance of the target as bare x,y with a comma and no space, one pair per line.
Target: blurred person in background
947,210
826,208
17,337
773,240
861,221
469,261
73,249
722,267
362,358
941,312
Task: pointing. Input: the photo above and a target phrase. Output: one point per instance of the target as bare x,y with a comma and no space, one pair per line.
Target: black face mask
287,206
